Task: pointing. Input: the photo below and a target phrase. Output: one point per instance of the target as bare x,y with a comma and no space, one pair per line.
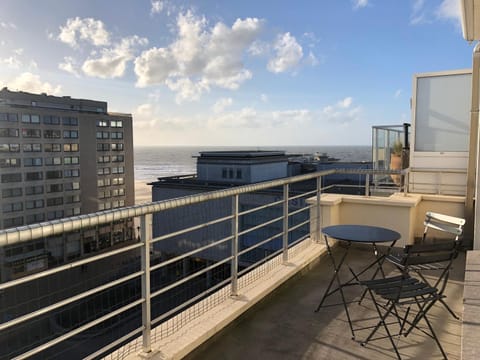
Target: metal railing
220,237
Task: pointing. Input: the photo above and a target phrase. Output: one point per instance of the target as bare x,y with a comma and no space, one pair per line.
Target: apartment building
62,157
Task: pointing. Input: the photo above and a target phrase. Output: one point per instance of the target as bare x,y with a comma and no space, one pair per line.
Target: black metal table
359,234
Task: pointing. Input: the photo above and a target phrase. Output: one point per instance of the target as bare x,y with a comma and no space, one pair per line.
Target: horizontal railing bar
302,195
61,303
261,261
295,212
190,277
78,330
69,266
110,346
245,212
250,248
35,231
190,301
190,253
299,240
298,225
433,170
192,228
256,227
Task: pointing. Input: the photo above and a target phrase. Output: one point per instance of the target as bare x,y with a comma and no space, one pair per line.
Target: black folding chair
391,293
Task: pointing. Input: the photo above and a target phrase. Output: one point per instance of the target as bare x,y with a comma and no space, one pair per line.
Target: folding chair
390,293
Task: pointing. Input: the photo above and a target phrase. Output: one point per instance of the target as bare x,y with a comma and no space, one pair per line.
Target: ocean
152,162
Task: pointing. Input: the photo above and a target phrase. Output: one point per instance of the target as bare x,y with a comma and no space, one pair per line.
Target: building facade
61,157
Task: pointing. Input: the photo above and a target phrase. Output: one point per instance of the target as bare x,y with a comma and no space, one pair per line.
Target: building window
12,207
52,215
8,117
70,147
71,160
116,135
34,204
34,176
9,148
103,147
34,190
70,134
118,181
32,162
34,218
32,147
103,182
31,133
54,174
55,201
10,163
224,173
51,134
102,123
117,146
239,173
72,186
104,194
13,222
102,135
103,159
49,161
68,173
14,192
118,170
8,132
30,119
117,158
103,171
52,147
70,199
51,120
52,188
72,211
116,123
118,192
69,121
9,178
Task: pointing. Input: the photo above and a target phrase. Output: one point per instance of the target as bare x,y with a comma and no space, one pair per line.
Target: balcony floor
285,326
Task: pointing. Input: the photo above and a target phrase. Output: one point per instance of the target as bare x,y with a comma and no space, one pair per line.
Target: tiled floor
285,326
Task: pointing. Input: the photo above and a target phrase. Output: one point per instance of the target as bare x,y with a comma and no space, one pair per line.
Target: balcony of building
241,271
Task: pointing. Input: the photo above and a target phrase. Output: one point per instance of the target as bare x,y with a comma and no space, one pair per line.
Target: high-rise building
61,157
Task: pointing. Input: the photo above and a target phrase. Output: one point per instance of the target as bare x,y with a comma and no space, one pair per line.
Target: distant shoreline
143,192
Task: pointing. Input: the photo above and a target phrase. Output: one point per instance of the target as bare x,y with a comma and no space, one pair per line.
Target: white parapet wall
399,212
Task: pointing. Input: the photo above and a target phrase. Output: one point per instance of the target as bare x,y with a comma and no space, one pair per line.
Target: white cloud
259,48
147,117
17,61
312,60
157,7
418,14
357,4
112,62
244,118
87,29
342,112
11,62
449,10
288,54
31,83
221,105
289,117
397,93
7,25
200,57
264,98
69,65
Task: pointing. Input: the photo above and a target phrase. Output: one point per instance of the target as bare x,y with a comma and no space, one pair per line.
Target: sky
240,73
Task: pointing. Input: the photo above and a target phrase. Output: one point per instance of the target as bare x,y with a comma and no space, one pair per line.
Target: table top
361,233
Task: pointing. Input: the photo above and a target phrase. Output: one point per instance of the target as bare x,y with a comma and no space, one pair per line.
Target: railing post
234,270
318,228
146,236
367,184
285,223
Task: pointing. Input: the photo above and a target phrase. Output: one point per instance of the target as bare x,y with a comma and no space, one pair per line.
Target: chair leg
434,335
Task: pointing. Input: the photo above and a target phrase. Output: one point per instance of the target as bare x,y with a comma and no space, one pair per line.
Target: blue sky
247,73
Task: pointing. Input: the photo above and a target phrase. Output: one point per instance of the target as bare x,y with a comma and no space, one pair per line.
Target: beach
143,192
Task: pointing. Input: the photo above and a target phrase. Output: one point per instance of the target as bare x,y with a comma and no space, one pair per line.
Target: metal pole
367,185
318,228
285,223
234,290
146,236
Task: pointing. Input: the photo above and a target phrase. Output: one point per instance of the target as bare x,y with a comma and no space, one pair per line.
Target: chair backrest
445,223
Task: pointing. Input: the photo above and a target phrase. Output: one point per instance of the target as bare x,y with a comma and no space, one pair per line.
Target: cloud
397,93
418,14
342,112
358,4
17,61
221,105
31,83
289,117
449,10
146,117
200,57
69,65
87,29
264,98
7,25
157,7
288,54
112,62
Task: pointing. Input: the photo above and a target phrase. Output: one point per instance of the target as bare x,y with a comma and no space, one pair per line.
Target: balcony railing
93,305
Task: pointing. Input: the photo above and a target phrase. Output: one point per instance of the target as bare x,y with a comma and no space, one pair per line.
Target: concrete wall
404,214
